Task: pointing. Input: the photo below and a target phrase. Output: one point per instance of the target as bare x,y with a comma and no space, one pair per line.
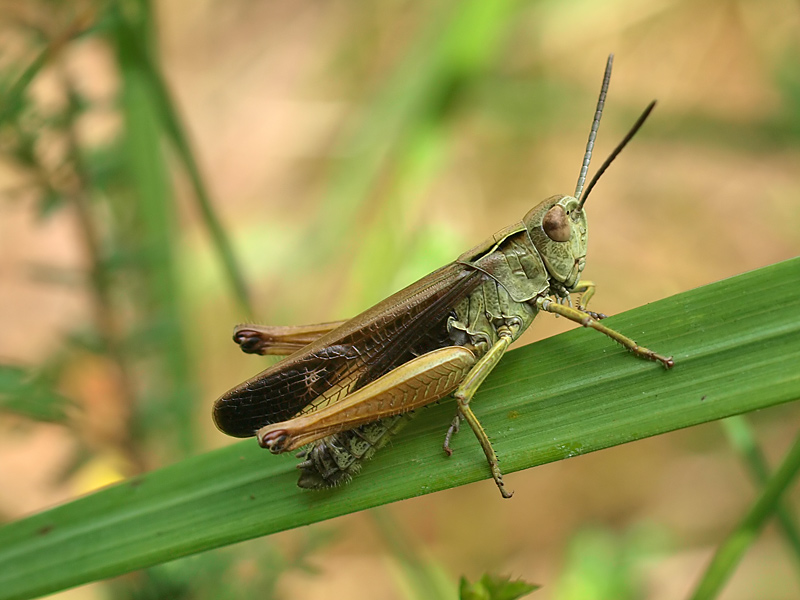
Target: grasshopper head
559,231
558,226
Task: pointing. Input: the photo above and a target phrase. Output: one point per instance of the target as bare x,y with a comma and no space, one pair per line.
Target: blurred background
171,168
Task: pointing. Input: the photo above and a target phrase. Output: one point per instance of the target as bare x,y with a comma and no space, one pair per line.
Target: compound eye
556,225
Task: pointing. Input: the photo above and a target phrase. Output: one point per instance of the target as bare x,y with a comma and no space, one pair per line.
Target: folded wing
407,324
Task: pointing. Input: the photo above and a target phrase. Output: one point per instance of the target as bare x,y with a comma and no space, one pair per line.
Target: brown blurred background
349,148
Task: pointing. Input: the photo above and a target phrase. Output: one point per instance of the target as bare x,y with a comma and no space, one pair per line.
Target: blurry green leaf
604,564
739,541
249,570
495,587
402,127
152,237
23,147
744,441
30,394
132,38
49,203
564,396
156,583
422,577
175,131
105,166
13,95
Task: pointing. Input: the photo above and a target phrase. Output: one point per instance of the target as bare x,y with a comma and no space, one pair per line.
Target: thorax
515,275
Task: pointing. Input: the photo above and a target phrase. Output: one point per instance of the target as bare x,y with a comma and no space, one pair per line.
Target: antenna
639,122
595,125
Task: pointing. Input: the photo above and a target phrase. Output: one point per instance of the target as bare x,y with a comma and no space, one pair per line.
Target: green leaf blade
567,395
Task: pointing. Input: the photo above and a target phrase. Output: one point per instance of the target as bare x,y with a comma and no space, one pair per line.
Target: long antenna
639,122
595,125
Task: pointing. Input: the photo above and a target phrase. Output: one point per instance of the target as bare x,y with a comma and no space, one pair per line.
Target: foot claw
274,441
249,341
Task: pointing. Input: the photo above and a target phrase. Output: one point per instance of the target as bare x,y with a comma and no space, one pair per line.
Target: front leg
587,319
464,394
587,288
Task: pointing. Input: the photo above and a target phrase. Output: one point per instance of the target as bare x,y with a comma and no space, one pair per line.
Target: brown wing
410,322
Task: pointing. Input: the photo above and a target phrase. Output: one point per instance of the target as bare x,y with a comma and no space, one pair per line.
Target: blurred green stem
733,548
176,131
169,119
741,437
107,321
458,41
14,95
156,229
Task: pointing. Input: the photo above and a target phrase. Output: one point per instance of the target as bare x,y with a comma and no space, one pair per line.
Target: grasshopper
346,386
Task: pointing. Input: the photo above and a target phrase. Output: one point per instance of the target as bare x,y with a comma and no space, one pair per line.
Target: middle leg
464,395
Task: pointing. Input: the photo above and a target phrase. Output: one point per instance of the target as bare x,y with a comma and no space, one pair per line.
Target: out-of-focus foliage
495,587
31,394
248,571
601,564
